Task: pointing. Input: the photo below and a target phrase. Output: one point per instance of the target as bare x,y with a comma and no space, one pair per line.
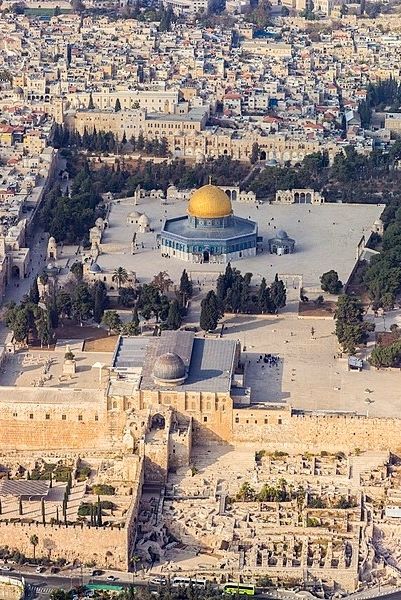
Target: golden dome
209,202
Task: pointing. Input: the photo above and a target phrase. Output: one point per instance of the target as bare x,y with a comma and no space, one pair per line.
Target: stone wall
11,588
106,546
281,429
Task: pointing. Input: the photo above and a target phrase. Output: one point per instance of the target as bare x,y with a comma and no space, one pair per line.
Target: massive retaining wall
281,430
105,546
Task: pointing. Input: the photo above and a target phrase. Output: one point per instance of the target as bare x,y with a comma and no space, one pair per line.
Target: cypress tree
117,106
185,285
91,104
210,313
174,319
20,510
43,512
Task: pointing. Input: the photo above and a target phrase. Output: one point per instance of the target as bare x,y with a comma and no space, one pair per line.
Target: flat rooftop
38,371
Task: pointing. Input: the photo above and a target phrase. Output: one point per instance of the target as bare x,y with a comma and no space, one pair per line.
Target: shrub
101,489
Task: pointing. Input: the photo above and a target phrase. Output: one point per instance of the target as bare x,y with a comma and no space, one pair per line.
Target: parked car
158,581
40,569
97,573
111,578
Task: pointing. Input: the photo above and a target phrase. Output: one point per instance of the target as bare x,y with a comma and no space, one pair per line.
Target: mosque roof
209,202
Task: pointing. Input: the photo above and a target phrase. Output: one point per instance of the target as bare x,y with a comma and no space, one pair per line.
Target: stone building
299,196
281,243
210,232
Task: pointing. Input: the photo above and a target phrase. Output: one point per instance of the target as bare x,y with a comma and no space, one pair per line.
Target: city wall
279,430
106,546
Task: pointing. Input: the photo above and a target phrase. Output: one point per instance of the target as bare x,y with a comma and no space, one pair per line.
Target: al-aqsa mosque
210,232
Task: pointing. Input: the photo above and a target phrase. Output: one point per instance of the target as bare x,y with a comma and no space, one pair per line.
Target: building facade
210,232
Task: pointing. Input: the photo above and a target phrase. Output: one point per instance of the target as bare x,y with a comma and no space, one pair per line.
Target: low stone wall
11,588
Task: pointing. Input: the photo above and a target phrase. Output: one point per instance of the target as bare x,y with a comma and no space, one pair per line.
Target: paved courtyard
326,237
308,376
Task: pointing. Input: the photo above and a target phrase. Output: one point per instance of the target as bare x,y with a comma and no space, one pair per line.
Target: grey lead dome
169,367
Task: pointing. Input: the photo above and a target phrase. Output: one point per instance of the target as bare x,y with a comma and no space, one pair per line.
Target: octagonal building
209,233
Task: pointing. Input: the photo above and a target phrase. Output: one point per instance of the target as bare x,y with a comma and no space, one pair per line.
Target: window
63,417
279,421
237,419
15,415
31,416
205,419
47,417
96,418
266,421
79,417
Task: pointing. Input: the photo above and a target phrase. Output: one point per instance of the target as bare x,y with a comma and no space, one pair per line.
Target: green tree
81,302
120,276
99,300
127,296
351,331
330,282
246,493
254,153
34,540
34,292
264,300
77,270
210,312
174,319
278,293
186,288
112,321
91,104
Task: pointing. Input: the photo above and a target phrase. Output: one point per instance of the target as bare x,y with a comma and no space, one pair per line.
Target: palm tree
120,276
34,541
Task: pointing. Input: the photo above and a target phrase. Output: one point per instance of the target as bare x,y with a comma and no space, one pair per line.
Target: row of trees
234,294
106,141
384,95
352,177
68,217
382,276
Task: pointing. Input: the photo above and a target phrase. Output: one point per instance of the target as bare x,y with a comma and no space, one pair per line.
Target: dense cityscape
200,299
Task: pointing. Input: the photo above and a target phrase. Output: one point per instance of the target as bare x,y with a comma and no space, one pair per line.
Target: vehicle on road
40,569
242,589
97,573
5,568
187,581
111,578
158,581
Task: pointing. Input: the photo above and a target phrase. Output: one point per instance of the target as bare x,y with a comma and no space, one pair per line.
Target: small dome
169,368
52,240
94,268
281,234
209,202
134,214
143,220
99,222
